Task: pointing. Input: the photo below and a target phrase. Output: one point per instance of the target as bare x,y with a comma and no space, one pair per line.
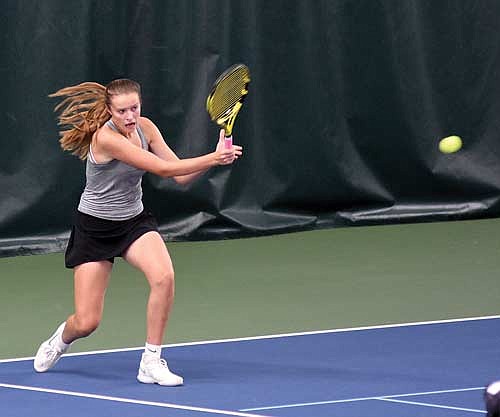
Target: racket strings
229,90
222,105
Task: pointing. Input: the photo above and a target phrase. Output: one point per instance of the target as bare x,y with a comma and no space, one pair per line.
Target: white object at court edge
494,388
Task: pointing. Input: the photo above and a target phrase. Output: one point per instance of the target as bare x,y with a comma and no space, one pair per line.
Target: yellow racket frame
227,95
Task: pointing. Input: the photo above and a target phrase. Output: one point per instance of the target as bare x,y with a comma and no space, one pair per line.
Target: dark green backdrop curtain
348,101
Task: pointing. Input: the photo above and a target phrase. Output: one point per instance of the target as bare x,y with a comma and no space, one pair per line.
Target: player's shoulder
149,129
106,132
107,137
146,123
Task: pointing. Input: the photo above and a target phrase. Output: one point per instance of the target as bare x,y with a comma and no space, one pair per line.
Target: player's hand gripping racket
226,98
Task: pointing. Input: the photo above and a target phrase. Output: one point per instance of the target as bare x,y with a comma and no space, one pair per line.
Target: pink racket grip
228,142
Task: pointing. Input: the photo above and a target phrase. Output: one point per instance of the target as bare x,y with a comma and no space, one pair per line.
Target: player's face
125,110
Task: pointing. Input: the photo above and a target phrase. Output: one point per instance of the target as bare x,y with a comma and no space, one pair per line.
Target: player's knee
163,280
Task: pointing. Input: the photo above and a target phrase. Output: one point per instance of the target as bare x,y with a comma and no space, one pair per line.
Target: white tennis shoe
153,370
48,353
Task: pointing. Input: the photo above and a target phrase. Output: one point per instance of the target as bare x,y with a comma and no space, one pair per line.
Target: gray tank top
113,190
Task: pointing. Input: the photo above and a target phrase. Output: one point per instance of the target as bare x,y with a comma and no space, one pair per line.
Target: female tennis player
105,127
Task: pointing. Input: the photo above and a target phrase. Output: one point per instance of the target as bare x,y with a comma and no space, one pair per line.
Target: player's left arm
160,148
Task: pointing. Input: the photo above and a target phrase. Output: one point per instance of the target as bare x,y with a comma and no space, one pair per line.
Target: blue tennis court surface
433,369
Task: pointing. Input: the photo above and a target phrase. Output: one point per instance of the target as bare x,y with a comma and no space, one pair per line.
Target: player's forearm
189,178
190,167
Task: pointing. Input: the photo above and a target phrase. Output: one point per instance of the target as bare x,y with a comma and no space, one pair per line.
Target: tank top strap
144,141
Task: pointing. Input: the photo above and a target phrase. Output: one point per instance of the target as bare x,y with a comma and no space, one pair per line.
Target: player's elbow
181,179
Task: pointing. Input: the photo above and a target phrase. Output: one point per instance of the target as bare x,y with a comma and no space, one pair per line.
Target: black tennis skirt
93,239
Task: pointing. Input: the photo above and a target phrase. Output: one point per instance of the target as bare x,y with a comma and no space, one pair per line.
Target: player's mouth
130,125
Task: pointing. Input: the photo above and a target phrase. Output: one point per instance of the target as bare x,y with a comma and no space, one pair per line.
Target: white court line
447,407
275,336
131,401
242,412
351,400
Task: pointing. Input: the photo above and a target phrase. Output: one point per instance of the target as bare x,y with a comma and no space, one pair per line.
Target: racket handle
228,142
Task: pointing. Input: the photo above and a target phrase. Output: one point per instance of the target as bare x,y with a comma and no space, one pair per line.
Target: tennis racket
226,98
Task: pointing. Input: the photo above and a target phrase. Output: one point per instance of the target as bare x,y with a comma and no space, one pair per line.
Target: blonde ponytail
81,113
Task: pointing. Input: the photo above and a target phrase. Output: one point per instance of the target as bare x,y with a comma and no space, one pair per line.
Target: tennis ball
450,144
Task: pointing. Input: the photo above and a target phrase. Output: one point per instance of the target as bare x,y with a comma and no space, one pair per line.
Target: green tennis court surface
315,280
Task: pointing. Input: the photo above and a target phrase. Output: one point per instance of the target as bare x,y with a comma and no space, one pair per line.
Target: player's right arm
116,146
